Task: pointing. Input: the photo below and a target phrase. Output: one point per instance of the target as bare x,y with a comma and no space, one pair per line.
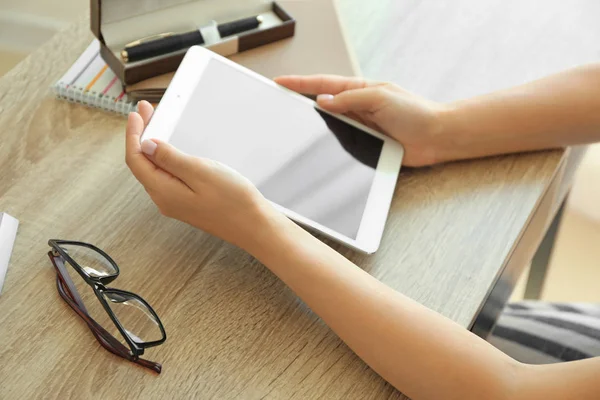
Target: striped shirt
536,332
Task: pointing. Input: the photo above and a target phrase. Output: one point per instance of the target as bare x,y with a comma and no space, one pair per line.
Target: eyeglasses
133,317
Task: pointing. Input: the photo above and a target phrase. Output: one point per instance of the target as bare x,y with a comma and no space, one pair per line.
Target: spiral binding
94,99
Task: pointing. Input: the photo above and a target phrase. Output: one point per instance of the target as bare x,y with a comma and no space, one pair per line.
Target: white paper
8,234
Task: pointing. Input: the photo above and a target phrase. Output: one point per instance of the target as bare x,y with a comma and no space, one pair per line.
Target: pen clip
149,38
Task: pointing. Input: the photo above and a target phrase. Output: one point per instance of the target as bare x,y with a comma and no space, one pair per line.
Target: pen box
117,23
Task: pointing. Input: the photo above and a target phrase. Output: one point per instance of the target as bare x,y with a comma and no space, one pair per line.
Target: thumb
368,99
168,158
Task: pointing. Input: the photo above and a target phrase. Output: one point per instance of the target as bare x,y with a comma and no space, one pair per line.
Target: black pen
241,25
169,42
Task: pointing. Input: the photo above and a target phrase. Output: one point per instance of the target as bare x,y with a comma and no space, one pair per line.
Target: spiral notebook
89,81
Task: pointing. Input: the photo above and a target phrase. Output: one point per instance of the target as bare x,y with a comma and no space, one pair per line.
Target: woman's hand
200,192
524,118
385,107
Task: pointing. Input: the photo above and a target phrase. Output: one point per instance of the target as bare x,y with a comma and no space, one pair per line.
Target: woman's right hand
413,121
198,191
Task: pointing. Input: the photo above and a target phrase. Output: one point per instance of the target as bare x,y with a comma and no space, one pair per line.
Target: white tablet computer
326,172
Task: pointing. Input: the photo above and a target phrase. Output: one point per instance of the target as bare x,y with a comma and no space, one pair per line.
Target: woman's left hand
200,192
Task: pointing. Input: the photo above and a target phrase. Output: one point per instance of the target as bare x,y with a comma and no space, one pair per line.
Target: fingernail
149,147
325,98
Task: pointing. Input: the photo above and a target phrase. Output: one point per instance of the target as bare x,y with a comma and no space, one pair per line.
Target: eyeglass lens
135,317
92,262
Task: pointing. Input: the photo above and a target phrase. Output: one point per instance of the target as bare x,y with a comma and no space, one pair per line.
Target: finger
140,166
146,110
318,84
143,169
358,100
175,162
133,132
357,117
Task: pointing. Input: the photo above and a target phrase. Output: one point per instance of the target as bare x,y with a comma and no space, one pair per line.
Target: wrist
452,141
264,225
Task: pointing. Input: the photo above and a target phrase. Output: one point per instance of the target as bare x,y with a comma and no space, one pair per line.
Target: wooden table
457,236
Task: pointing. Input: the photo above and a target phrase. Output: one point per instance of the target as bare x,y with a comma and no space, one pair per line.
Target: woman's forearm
556,111
421,353
418,351
570,380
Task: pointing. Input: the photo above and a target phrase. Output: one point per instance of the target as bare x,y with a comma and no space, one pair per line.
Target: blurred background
26,24
575,264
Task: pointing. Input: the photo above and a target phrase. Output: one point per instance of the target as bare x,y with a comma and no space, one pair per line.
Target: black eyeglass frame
98,284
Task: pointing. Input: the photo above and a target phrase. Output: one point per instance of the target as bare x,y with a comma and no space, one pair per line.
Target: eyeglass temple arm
74,300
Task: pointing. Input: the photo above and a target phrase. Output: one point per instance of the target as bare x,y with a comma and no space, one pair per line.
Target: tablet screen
298,157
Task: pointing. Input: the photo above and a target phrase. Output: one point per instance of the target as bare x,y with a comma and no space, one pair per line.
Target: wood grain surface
235,331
